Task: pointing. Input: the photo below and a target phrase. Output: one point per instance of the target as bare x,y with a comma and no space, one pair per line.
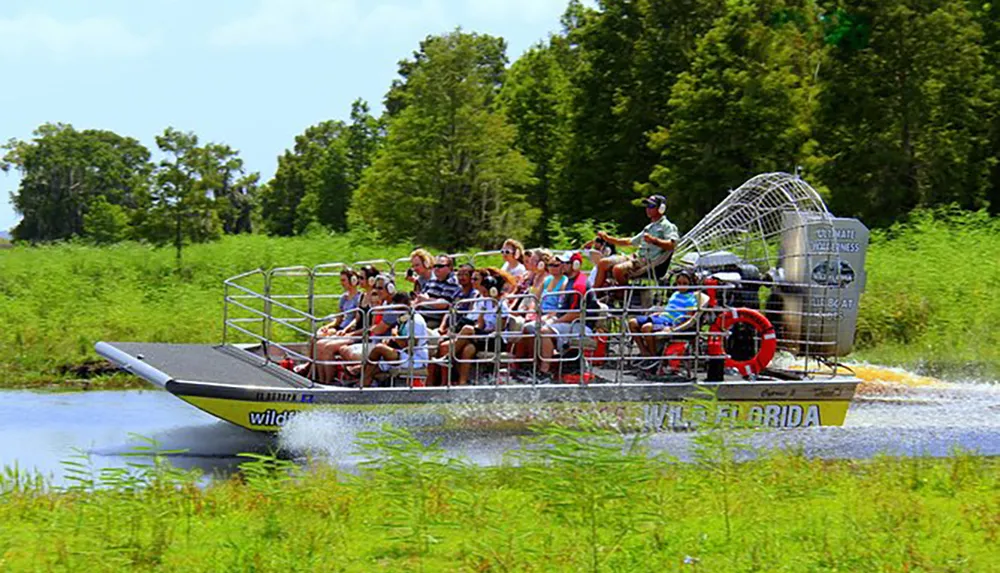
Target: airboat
778,283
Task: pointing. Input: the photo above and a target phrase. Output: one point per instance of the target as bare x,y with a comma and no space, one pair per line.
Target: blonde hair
425,257
518,249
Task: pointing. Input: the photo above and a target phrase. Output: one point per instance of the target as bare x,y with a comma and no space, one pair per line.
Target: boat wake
896,412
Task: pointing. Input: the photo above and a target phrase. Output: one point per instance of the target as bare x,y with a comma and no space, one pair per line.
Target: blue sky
250,73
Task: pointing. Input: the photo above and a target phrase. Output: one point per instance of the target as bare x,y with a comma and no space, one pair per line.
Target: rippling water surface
38,430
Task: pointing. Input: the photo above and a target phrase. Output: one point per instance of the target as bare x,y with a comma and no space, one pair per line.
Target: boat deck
200,363
232,373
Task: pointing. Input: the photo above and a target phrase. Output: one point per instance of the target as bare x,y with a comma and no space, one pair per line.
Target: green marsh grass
56,301
574,501
932,301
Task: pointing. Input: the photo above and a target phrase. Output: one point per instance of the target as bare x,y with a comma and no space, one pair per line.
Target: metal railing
284,323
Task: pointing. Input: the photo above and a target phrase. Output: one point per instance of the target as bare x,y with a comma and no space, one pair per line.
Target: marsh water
38,430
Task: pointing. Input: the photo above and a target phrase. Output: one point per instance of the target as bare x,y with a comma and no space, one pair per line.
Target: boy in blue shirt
680,307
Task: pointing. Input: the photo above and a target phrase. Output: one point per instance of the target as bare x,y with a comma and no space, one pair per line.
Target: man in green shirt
656,244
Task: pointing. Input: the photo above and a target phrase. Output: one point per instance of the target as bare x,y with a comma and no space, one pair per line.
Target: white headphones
541,265
662,208
390,287
371,280
354,279
576,264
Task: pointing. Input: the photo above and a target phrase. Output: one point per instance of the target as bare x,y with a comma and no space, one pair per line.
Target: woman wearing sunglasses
555,282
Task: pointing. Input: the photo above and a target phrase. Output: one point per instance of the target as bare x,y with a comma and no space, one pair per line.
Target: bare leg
603,267
379,353
548,350
621,272
646,343
436,371
468,353
327,350
633,327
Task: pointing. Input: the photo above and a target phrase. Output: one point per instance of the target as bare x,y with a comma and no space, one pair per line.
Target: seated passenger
531,284
566,326
555,282
463,304
381,321
420,269
656,244
679,309
513,258
438,293
489,308
599,250
332,335
406,348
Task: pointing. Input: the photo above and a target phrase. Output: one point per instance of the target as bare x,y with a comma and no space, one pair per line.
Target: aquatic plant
567,501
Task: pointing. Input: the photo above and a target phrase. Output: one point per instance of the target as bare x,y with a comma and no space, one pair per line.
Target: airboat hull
245,390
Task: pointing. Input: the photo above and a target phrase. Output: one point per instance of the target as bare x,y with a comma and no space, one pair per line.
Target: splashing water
895,412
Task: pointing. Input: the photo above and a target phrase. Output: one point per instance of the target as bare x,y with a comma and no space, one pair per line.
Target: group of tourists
533,307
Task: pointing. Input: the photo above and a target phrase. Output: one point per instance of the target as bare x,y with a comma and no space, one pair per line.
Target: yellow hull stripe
270,416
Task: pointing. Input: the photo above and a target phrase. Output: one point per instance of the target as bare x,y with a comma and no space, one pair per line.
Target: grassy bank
931,304
575,504
57,301
933,297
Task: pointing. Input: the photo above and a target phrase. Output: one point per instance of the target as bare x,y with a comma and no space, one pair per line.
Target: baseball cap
654,201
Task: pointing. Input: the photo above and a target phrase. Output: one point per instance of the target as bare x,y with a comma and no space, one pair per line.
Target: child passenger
406,348
680,306
513,258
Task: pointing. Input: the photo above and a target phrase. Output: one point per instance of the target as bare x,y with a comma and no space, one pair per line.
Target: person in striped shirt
680,307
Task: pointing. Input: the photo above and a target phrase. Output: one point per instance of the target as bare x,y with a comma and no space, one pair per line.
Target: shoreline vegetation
930,303
563,501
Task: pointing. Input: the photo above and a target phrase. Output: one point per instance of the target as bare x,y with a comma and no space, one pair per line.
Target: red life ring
765,331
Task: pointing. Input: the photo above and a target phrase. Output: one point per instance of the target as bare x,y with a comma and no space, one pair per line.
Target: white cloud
30,34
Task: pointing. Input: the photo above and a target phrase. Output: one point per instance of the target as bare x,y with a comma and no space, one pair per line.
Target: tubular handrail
614,330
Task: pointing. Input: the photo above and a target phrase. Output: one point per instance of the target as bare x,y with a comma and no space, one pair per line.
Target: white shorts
569,331
403,363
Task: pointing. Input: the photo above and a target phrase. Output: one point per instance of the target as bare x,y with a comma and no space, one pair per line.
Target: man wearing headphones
656,244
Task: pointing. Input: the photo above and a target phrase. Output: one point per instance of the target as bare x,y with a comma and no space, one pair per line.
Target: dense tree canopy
448,172
63,170
885,106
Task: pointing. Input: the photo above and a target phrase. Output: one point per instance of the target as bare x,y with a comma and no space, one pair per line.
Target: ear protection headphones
490,283
575,263
390,287
541,265
661,208
353,278
371,281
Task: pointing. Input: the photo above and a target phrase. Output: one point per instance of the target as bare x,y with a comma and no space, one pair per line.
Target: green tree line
884,106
